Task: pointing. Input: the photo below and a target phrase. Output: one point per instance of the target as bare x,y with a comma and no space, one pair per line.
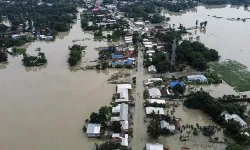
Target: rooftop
150,146
93,128
157,110
174,83
158,101
154,92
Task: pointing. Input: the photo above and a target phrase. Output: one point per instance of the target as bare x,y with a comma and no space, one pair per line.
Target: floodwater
199,142
46,107
230,38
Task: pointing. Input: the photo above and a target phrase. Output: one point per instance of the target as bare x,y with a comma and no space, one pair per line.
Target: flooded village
111,78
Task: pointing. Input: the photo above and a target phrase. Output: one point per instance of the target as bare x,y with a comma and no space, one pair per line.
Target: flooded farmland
45,107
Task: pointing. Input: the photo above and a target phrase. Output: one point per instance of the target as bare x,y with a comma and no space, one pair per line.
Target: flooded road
45,107
230,38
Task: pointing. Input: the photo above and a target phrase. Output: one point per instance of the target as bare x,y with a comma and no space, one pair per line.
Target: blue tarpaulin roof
129,62
174,83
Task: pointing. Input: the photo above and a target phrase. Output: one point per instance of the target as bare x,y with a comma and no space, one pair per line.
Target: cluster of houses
124,54
120,113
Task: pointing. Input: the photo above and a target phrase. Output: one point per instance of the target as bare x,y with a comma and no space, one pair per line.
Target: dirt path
139,134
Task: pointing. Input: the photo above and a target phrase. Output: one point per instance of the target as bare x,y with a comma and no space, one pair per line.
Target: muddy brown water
45,107
230,38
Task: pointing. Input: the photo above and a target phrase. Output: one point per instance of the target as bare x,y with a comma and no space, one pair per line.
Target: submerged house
93,130
122,111
150,146
156,110
197,78
174,83
152,69
165,124
154,93
235,117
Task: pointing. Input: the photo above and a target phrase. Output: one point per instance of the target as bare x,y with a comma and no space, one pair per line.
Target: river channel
45,107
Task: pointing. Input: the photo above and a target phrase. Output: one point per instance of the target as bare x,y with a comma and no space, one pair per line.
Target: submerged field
233,73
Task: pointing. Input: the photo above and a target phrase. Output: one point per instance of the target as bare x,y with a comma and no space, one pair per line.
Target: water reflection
3,65
214,6
35,69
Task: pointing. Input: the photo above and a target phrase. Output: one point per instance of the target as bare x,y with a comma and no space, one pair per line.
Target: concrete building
158,101
152,69
122,111
197,78
93,130
154,93
157,110
165,124
157,146
235,117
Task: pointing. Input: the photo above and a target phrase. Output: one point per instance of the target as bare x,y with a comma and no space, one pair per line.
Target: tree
164,132
84,23
75,54
116,127
3,56
234,147
153,129
108,145
178,88
94,118
156,18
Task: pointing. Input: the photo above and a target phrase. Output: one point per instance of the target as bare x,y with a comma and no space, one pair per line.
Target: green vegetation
213,78
145,94
3,56
108,145
31,61
233,73
181,5
75,54
156,18
154,130
161,62
203,101
195,54
19,51
101,116
43,16
234,147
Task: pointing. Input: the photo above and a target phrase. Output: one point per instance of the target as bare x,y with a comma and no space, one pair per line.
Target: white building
165,124
199,78
154,93
157,146
124,86
93,130
235,117
122,110
156,110
151,69
158,101
154,79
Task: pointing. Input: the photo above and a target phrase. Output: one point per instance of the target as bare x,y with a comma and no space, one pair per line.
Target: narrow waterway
45,107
